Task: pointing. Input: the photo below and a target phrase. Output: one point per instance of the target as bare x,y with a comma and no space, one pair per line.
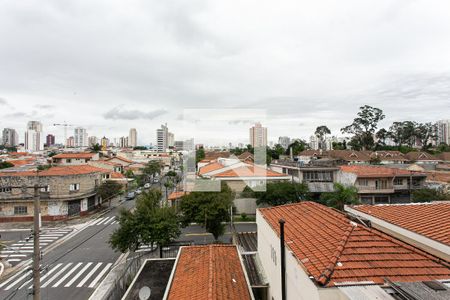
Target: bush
244,217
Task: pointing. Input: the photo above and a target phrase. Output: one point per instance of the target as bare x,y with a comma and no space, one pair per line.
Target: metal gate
74,207
91,203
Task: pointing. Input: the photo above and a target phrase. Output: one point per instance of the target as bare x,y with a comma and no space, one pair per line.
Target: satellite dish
144,293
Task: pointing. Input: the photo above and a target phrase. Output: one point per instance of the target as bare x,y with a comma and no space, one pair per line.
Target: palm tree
342,195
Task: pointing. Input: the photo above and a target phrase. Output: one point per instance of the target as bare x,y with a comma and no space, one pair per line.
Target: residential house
423,225
444,157
71,159
124,162
108,165
328,256
387,157
422,158
65,191
378,184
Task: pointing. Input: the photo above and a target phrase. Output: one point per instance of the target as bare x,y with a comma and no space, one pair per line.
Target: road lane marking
82,282
104,221
112,219
96,221
56,275
11,279
67,275
53,269
18,280
100,275
13,260
78,275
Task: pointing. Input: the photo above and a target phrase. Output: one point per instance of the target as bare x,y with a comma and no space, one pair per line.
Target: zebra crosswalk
21,250
104,221
77,275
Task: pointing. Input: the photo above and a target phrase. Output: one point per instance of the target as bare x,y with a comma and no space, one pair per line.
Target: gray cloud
3,101
118,113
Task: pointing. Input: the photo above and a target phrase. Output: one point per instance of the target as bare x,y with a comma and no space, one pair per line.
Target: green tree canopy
5,164
342,195
321,132
152,168
199,154
297,147
428,195
209,209
95,148
283,192
149,224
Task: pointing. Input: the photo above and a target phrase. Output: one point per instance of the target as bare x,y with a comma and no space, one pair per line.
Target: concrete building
170,140
10,138
443,132
284,141
33,139
70,142
132,138
123,142
162,138
67,191
50,140
104,142
92,140
74,158
80,137
258,136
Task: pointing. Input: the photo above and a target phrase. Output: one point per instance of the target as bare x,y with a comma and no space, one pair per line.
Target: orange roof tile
209,272
21,162
414,156
117,175
210,167
249,171
335,250
440,176
79,155
121,158
176,195
58,171
429,219
376,171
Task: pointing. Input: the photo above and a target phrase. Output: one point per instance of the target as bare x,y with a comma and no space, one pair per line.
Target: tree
425,133
139,148
283,192
210,209
109,189
147,225
342,195
129,174
43,167
321,133
5,164
152,168
428,195
381,135
199,154
297,147
95,148
364,126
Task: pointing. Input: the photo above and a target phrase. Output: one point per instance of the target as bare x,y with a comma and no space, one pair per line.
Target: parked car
156,180
139,191
130,196
147,186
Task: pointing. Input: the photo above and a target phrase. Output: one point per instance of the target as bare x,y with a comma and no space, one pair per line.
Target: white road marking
67,275
10,279
13,260
78,275
95,221
18,280
108,221
56,275
82,282
50,272
100,275
99,223
17,255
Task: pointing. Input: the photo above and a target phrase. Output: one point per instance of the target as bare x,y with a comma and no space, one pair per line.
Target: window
45,189
318,176
381,200
74,187
20,210
381,184
68,160
5,190
398,181
363,182
273,255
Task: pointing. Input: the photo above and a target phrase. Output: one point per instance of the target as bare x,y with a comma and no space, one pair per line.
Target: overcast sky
112,65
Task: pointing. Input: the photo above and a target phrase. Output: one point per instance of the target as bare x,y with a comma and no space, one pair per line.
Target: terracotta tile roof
209,272
440,176
335,250
429,219
249,171
445,156
414,156
211,155
210,167
388,155
111,163
117,175
349,155
81,155
121,158
21,162
176,195
246,156
376,171
58,171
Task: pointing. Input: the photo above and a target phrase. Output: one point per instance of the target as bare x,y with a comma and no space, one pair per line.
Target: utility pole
37,250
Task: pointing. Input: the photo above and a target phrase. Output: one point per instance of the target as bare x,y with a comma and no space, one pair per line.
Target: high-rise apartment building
123,142
132,138
50,140
92,140
10,138
284,141
33,134
258,136
443,132
162,136
104,142
70,142
170,140
80,137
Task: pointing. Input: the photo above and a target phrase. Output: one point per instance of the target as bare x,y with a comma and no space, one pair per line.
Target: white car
156,180
147,186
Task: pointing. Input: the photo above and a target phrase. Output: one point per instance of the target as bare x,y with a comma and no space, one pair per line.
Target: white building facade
258,136
132,138
80,137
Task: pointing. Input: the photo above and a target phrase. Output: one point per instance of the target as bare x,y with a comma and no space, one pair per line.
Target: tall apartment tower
33,134
80,137
443,132
92,140
170,140
258,136
284,141
50,140
162,136
132,138
10,138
